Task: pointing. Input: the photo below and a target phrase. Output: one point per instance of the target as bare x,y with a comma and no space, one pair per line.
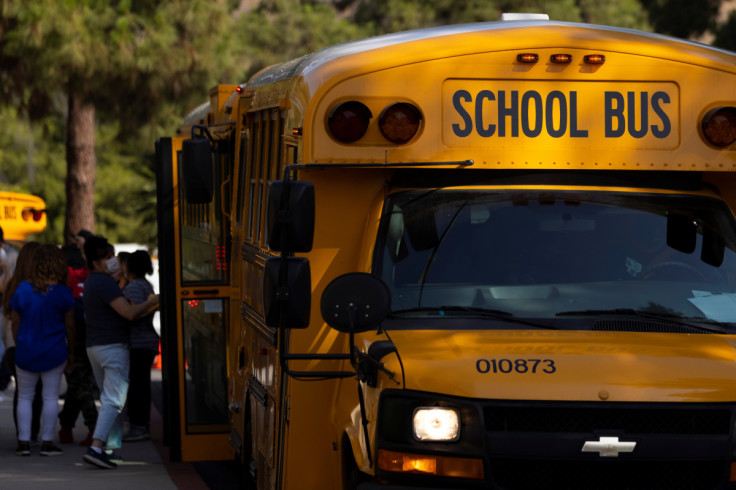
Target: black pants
139,387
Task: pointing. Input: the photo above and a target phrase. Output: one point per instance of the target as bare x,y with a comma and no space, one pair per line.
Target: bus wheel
352,476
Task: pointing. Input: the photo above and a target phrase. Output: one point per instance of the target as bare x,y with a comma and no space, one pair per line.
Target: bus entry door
195,291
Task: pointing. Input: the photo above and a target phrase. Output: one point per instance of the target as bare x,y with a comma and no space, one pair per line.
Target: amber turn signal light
399,122
428,464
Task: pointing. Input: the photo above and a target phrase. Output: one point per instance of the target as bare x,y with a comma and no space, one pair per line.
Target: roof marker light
527,58
561,59
594,59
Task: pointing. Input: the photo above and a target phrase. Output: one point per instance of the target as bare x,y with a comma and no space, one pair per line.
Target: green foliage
146,63
33,162
278,30
681,18
140,62
395,15
562,10
622,13
726,36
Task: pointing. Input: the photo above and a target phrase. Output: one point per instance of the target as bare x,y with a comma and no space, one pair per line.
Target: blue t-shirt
105,326
41,344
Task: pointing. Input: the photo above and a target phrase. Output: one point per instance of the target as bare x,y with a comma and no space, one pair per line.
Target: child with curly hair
43,328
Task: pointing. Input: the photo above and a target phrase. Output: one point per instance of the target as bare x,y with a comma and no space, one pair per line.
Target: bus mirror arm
364,364
368,368
201,131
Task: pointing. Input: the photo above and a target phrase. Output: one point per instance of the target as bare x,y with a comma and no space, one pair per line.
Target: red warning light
349,121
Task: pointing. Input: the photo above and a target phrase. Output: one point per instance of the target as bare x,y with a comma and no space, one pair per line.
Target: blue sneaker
101,460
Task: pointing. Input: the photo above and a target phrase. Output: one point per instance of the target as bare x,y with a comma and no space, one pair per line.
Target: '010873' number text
521,366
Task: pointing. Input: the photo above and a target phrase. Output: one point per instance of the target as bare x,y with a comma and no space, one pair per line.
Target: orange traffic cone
157,360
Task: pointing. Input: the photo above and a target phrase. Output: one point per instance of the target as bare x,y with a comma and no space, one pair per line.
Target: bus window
204,363
242,179
203,238
543,255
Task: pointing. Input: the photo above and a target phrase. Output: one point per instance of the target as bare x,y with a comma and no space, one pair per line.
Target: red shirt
75,281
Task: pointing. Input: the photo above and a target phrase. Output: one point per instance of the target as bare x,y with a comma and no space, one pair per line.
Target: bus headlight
436,424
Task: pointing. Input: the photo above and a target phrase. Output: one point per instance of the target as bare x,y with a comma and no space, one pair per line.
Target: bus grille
570,419
679,446
605,475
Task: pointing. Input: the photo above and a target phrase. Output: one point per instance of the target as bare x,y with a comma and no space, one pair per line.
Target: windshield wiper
475,311
666,317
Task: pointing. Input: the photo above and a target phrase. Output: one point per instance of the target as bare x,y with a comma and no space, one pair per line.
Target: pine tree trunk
80,164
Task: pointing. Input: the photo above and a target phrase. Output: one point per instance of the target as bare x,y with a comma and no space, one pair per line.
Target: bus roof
629,100
676,48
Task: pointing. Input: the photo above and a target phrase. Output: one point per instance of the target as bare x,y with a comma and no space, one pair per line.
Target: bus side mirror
714,247
422,230
287,305
197,172
355,302
290,216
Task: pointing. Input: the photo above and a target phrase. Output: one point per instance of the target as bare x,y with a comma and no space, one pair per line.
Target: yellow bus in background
497,255
21,215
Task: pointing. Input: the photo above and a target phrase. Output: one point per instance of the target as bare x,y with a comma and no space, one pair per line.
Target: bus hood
568,365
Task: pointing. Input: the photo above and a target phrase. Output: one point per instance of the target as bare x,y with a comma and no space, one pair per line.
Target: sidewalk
146,463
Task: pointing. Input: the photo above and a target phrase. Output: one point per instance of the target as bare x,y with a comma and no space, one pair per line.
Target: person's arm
132,312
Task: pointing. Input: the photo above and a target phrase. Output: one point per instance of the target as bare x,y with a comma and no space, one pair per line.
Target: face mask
113,266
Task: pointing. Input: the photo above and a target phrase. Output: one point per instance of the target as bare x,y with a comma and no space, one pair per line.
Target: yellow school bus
498,255
21,215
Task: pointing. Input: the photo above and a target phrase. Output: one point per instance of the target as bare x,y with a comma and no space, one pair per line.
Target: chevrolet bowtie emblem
608,447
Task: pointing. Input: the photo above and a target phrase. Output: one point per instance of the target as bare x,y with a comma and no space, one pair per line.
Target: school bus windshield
558,254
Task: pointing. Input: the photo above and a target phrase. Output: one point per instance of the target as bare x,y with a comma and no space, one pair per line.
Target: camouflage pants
79,393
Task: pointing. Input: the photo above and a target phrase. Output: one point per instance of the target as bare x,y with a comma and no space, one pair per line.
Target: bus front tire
247,468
